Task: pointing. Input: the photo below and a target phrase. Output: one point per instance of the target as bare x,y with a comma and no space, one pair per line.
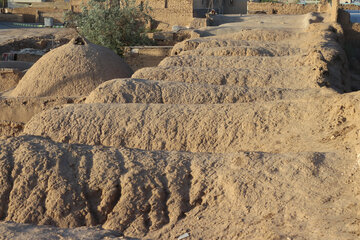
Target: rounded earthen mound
142,193
74,69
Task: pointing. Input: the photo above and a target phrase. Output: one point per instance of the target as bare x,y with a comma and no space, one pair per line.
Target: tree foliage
112,23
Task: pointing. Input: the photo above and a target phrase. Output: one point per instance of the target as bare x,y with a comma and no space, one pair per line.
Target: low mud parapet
284,8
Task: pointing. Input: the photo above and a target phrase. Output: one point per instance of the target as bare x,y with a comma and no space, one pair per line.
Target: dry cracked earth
252,134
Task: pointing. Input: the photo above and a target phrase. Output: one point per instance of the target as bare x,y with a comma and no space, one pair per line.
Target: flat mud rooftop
248,132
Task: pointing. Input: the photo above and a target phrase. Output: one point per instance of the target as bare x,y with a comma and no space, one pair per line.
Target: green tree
113,24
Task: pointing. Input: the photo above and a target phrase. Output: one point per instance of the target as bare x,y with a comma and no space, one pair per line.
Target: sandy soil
291,78
214,142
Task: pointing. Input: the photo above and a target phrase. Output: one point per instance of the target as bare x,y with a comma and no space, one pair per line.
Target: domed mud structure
74,69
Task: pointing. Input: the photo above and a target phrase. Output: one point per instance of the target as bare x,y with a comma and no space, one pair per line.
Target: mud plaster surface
147,91
162,194
280,163
294,78
73,69
270,126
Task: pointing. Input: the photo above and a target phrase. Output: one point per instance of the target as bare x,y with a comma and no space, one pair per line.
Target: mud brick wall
11,17
168,13
281,8
37,11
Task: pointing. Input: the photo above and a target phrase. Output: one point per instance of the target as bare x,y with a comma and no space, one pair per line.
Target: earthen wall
224,6
11,17
168,13
281,8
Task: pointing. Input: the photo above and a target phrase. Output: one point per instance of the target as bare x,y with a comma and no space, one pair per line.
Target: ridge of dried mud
243,51
207,43
265,126
139,192
291,78
147,91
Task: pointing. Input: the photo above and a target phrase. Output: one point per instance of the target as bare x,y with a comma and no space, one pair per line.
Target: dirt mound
241,51
313,17
202,43
328,62
192,44
128,91
263,77
327,123
146,91
218,62
268,35
73,69
164,194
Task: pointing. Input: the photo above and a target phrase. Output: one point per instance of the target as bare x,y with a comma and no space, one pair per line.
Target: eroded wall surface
168,13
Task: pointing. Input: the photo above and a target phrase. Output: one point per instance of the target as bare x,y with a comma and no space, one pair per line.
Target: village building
166,13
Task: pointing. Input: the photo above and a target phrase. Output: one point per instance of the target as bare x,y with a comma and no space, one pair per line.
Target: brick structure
37,11
181,12
281,8
166,13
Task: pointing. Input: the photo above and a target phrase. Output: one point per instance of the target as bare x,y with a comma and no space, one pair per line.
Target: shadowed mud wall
146,91
257,77
351,45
